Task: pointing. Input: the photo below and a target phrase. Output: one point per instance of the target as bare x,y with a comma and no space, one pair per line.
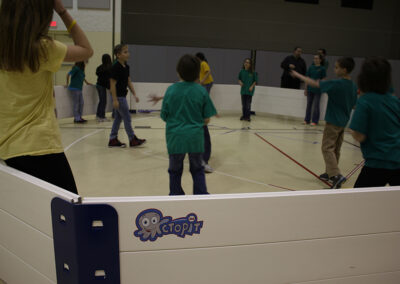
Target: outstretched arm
307,80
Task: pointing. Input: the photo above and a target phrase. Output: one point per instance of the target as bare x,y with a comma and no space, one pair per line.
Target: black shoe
324,177
241,118
337,181
136,142
115,143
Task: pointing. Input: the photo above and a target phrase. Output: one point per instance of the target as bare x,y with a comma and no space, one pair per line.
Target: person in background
324,62
30,139
103,73
317,72
77,75
296,63
248,79
207,81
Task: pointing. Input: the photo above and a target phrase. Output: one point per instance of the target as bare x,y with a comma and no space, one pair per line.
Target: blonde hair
23,26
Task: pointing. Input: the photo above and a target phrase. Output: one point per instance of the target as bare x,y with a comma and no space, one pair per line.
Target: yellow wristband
71,26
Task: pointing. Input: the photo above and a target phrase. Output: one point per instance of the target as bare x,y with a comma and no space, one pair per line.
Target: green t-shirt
77,78
316,73
377,116
184,108
342,97
248,79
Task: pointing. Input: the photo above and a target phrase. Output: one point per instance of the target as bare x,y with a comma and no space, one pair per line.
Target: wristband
71,26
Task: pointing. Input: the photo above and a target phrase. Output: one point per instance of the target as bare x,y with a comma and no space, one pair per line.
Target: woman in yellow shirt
206,80
30,139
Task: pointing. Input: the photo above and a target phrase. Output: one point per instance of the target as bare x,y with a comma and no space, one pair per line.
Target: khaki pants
331,143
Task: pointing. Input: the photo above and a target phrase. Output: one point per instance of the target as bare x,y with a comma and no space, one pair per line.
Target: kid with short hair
119,82
342,96
376,125
186,108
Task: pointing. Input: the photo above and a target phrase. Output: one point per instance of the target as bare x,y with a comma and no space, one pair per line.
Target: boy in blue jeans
376,125
186,108
119,81
342,97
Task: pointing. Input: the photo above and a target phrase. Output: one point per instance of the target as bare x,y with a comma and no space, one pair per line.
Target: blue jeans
77,99
246,105
122,113
312,98
175,171
101,107
208,87
207,145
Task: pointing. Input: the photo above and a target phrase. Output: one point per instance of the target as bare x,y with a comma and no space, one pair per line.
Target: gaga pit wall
320,236
267,100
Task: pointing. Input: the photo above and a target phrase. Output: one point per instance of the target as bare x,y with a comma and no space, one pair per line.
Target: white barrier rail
322,236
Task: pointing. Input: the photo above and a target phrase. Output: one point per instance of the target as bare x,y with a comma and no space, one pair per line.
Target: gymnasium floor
276,154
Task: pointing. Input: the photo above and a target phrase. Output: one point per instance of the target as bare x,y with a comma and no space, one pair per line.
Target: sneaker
313,124
80,121
247,119
208,169
337,181
324,177
241,118
99,119
115,143
305,122
136,142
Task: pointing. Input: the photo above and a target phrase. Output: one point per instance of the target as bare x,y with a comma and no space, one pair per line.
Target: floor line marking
289,157
353,171
148,153
82,138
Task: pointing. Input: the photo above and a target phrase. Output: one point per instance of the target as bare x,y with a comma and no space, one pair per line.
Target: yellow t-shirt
28,125
204,68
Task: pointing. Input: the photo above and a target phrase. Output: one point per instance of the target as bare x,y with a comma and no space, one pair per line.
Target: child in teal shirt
186,108
376,125
247,80
342,97
316,72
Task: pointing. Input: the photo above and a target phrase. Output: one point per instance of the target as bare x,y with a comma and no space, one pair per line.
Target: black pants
207,145
246,106
53,168
371,177
289,82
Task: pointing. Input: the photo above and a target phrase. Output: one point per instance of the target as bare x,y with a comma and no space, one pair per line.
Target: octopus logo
152,225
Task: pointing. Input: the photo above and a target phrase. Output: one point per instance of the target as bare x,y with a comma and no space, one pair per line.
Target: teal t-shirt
316,73
377,116
77,78
342,97
248,79
185,106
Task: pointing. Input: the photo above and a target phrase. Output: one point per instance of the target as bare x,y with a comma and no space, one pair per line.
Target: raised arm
308,81
82,50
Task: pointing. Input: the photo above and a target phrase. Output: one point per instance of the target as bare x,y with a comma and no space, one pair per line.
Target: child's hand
217,115
153,98
305,93
115,104
251,89
136,98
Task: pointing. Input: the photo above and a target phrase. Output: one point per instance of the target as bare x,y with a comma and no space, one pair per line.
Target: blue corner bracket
86,243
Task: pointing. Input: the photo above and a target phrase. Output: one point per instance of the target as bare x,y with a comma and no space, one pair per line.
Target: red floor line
276,148
352,172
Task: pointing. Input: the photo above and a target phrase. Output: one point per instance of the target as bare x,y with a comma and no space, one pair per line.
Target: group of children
29,135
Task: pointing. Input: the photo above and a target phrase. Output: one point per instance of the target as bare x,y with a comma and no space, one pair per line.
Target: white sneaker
208,169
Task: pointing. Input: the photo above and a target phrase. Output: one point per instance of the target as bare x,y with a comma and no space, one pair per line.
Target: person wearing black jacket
103,84
296,63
